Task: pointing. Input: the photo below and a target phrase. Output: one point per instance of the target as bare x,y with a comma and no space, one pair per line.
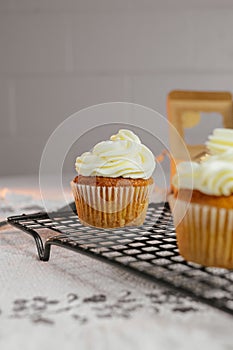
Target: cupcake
114,182
202,209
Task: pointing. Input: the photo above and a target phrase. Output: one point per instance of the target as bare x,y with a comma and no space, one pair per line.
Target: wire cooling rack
149,250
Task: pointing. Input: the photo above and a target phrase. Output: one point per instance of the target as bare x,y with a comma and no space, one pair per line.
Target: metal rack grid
149,250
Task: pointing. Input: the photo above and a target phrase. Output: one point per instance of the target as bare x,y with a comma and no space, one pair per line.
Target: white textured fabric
75,302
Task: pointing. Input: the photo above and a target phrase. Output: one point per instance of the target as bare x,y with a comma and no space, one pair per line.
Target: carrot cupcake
203,210
114,182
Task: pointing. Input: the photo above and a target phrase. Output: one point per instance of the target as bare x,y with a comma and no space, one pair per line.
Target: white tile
211,37
4,109
6,5
152,91
132,41
43,103
21,155
109,5
42,5
67,5
33,43
178,4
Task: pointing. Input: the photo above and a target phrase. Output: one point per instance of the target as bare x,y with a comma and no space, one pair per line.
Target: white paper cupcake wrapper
205,234
120,197
109,206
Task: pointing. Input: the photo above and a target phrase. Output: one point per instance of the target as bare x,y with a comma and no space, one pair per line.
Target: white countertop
75,302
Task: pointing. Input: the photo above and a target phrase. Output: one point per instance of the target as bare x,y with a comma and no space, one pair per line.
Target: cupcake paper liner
108,207
204,234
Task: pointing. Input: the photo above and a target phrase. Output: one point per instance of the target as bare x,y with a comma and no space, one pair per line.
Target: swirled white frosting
123,155
220,140
214,176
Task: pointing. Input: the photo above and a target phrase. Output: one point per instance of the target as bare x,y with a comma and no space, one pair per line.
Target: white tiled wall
59,56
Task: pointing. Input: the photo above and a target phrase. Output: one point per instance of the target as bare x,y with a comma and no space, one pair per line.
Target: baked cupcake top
220,140
213,176
122,156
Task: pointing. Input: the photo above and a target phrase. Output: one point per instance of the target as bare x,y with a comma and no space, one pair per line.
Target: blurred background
59,56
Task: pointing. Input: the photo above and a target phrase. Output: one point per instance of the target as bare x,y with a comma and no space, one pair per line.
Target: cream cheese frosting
220,140
214,176
123,155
